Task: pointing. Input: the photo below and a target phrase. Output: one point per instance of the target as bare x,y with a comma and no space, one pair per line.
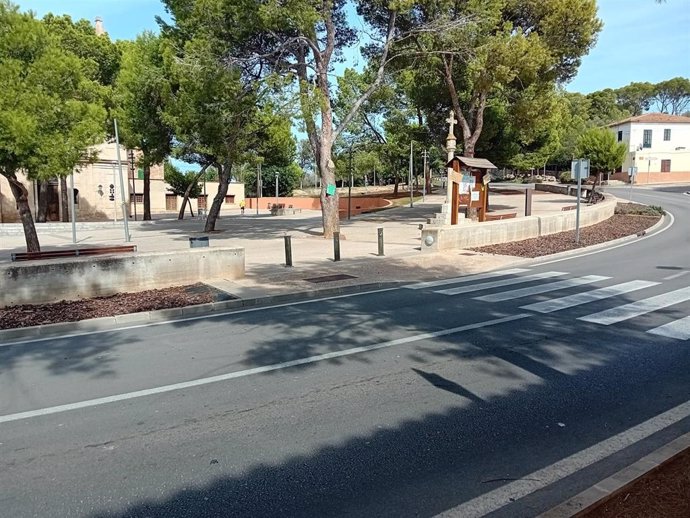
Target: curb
171,314
603,491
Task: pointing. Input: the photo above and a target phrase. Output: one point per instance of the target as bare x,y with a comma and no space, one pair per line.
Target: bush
565,177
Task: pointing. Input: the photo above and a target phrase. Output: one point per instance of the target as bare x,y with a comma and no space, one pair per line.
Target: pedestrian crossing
503,286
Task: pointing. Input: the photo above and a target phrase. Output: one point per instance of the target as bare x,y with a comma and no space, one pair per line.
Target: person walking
242,207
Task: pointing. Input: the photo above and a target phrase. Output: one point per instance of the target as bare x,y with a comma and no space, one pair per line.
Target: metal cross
452,121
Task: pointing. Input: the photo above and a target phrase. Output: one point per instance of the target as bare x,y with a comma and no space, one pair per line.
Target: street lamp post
276,189
349,188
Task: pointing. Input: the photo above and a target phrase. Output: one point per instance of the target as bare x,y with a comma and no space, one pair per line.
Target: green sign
330,190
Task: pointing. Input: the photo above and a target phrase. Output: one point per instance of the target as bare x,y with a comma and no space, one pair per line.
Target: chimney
100,31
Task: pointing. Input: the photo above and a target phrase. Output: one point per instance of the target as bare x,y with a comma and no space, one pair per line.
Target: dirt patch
120,304
627,221
664,492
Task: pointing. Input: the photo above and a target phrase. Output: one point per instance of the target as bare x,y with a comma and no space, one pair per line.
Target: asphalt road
464,398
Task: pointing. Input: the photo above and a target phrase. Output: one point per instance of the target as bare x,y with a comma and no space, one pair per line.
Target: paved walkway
262,237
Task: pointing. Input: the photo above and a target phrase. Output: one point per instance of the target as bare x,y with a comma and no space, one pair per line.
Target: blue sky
641,40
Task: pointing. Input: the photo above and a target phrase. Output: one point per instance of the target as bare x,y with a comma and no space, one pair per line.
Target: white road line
505,495
542,288
256,370
676,275
499,284
641,307
679,329
206,316
466,278
549,306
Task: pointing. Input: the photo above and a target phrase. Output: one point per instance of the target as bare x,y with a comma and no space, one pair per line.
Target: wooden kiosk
470,178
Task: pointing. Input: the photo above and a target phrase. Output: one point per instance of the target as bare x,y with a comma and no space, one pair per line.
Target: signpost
579,168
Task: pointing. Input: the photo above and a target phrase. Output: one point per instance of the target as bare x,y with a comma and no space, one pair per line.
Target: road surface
502,393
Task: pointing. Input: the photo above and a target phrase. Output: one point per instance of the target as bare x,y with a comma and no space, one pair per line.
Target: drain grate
331,278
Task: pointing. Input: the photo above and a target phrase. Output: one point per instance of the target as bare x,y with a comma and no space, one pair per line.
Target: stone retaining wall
37,282
459,237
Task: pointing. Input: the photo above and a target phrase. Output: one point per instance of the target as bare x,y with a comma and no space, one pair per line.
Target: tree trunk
64,199
223,180
395,188
185,198
147,192
42,212
21,196
329,203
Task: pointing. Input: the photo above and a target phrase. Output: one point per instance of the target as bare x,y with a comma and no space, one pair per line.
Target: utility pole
410,175
276,190
349,188
134,184
258,187
425,154
128,238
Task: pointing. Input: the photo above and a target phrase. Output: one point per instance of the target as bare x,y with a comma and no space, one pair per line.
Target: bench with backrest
75,252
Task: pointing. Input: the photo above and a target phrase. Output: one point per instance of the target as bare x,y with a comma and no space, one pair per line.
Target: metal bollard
336,246
288,250
528,202
380,229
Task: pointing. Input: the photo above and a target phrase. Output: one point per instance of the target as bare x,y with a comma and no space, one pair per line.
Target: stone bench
496,217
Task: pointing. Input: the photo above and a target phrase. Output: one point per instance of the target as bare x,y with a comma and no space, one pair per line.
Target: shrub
565,177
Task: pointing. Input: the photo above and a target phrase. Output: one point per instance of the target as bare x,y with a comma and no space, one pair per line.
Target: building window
136,198
665,166
230,198
201,201
647,138
75,193
667,134
620,136
170,202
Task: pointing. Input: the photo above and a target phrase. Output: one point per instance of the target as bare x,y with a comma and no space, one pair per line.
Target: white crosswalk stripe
679,329
466,278
500,283
641,307
542,288
549,306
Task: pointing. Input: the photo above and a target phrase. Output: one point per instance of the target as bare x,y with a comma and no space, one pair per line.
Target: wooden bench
497,217
76,252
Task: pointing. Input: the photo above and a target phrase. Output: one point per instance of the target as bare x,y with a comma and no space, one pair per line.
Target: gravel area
75,310
630,219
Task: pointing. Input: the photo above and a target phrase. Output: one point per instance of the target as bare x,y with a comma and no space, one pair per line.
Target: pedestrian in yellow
242,206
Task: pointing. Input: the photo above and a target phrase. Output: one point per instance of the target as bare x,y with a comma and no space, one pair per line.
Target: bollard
288,250
528,202
380,229
336,246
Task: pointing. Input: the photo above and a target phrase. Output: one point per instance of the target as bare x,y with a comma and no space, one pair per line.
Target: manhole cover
331,278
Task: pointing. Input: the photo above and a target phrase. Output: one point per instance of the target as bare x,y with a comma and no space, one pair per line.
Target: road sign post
578,169
632,173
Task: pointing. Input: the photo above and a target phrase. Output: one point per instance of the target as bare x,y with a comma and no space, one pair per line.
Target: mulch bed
619,225
120,304
662,493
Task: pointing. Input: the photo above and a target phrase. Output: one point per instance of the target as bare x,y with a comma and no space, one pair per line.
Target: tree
636,98
141,91
673,96
604,152
182,184
50,111
504,51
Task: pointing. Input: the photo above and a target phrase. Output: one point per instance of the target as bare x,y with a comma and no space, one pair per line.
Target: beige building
658,145
98,195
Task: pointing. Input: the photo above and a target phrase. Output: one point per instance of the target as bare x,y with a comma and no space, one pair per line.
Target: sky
641,40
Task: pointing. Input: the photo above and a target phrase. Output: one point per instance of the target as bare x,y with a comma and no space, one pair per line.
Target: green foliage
565,177
288,180
672,96
141,92
179,181
599,145
50,108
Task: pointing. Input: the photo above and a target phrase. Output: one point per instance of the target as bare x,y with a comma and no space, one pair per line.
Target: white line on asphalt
499,284
679,329
542,288
199,317
609,248
549,306
507,494
466,278
256,370
676,275
640,307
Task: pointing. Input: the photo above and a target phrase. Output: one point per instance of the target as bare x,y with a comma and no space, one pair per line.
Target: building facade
658,145
98,196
